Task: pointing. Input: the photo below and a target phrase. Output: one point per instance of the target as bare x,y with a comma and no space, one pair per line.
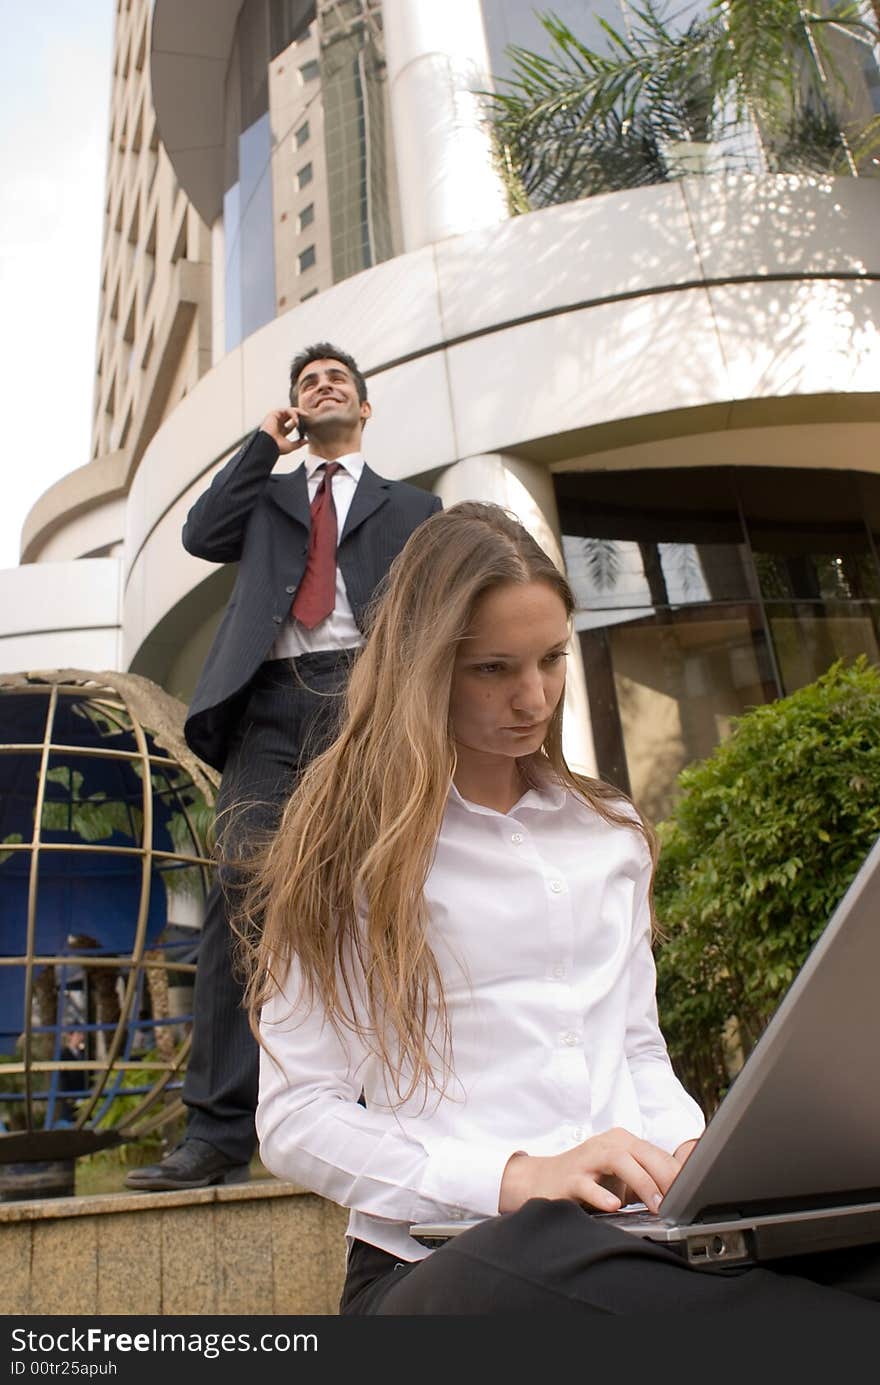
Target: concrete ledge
263,1247
86,488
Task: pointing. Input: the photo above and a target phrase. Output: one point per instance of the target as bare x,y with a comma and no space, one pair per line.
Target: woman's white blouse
540,925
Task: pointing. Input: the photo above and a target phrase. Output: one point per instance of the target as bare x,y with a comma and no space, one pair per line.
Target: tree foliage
741,77
767,835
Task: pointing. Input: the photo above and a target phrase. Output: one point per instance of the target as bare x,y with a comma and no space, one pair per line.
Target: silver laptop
790,1161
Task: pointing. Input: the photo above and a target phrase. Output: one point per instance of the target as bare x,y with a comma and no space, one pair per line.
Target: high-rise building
154,320
675,387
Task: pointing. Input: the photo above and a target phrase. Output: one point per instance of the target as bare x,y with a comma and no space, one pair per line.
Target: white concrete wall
604,332
61,615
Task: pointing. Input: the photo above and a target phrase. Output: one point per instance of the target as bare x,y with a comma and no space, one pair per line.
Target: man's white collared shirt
339,630
540,924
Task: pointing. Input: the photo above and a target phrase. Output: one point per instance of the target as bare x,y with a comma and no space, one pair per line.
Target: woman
454,989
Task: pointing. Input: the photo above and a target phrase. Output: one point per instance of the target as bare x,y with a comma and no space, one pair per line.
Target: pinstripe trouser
290,716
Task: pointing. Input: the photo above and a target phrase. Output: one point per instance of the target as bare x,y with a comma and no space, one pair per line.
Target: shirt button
570,1039
277,619
558,971
516,837
290,590
578,1132
556,886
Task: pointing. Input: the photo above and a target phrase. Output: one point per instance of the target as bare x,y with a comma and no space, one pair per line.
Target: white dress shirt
540,925
339,630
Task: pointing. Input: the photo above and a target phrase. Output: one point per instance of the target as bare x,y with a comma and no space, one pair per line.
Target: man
269,693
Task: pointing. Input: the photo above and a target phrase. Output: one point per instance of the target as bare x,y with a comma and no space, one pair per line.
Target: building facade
675,387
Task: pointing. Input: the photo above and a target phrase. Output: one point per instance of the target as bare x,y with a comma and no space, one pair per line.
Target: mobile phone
300,430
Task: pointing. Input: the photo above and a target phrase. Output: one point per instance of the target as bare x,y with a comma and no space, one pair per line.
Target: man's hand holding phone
287,428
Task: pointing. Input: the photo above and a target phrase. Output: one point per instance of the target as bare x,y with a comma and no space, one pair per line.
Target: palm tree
744,85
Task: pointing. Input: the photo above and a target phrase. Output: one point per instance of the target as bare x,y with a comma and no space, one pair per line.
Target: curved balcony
711,321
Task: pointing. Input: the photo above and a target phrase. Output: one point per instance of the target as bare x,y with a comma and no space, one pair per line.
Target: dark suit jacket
261,522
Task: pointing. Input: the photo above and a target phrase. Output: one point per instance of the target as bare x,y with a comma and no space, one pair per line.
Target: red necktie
316,594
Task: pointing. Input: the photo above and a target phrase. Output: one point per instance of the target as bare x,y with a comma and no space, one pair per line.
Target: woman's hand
603,1172
684,1151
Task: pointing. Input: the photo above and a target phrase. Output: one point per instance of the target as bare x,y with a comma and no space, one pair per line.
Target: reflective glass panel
651,539
678,685
809,537
703,592
807,639
257,242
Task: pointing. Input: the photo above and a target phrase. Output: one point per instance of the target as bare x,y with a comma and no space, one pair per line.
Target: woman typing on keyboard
454,989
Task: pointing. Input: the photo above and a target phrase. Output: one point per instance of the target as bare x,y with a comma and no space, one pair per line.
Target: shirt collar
352,461
548,796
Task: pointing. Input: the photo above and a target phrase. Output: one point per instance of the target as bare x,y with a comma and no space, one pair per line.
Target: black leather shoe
193,1164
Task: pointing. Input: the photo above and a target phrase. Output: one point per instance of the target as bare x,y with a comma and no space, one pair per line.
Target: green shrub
767,835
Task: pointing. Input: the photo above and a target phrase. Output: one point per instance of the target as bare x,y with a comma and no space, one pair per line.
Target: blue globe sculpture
105,820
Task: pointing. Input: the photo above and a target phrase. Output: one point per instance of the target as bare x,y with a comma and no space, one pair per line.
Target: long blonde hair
340,885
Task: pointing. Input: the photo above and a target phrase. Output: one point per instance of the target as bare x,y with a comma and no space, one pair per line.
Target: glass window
307,258
247,217
807,639
868,493
660,539
302,134
671,688
307,216
810,540
304,176
816,566
703,592
310,70
257,232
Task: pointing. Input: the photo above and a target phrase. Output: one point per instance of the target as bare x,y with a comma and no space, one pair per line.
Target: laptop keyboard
636,1214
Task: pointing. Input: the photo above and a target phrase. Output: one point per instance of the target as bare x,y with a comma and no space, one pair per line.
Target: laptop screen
801,1120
